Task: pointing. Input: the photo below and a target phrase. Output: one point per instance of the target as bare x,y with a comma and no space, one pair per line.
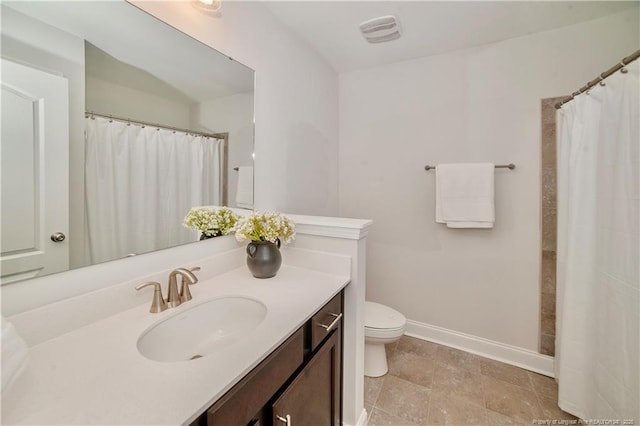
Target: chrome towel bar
509,166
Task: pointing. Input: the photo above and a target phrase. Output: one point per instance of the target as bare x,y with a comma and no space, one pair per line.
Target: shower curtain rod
158,126
607,73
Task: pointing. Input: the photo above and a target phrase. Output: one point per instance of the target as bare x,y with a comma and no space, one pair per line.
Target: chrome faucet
173,297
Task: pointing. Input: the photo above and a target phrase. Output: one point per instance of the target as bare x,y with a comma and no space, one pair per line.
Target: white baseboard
513,355
364,418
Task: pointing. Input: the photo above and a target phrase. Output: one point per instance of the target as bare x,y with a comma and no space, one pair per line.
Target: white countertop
95,374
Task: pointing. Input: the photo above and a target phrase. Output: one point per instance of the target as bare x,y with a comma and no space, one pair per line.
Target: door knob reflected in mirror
58,237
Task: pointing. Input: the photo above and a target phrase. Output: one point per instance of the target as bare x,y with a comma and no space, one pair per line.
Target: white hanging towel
464,195
244,192
14,353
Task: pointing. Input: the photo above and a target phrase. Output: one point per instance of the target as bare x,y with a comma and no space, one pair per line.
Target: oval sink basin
202,329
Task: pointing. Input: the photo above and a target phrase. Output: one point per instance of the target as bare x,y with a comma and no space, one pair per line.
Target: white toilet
382,325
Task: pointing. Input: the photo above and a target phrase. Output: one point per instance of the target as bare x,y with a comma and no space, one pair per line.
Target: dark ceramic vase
211,233
264,258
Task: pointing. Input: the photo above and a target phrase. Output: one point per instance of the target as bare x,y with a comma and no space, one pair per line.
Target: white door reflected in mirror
35,153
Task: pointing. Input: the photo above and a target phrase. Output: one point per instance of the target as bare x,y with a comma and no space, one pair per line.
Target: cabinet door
313,398
243,404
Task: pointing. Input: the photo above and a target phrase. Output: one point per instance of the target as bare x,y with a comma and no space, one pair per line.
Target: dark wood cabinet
244,403
313,398
299,383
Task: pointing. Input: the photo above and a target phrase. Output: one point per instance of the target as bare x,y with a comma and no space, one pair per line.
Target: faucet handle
185,293
157,304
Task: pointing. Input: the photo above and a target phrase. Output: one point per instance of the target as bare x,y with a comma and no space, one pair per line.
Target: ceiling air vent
378,30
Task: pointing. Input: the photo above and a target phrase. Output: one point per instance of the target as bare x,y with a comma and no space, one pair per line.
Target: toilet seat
383,333
380,318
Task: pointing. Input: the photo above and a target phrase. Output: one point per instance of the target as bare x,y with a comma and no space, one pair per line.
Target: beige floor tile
391,347
433,384
458,382
496,419
404,399
446,410
511,400
545,387
552,411
505,372
417,347
372,386
369,409
381,418
414,368
458,358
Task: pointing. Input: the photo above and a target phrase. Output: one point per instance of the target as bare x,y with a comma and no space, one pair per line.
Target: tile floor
430,384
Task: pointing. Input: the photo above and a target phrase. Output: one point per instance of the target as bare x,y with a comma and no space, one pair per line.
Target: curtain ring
623,70
601,82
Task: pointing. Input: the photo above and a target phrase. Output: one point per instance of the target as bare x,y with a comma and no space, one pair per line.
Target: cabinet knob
286,419
331,326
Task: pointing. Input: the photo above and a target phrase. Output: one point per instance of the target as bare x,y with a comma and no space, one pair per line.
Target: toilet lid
381,316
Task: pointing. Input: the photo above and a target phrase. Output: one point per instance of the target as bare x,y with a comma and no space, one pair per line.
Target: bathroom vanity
86,365
98,375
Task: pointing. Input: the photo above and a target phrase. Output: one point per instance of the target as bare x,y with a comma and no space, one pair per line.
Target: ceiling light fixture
379,30
210,7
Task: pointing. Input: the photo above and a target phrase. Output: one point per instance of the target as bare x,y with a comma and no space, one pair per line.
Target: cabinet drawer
326,320
244,401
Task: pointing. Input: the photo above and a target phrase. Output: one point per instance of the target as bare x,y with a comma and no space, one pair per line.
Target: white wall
296,98
234,115
475,105
111,98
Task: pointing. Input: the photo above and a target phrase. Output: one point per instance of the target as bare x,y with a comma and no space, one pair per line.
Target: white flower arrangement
265,226
211,221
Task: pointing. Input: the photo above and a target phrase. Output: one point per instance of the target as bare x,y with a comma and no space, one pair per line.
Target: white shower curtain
141,182
598,334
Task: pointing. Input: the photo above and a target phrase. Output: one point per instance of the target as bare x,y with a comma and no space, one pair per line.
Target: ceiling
135,38
428,27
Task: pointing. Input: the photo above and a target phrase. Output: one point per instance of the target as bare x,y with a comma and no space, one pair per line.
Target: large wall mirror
114,125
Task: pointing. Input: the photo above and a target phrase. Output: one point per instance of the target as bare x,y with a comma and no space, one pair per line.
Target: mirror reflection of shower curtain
598,318
141,182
